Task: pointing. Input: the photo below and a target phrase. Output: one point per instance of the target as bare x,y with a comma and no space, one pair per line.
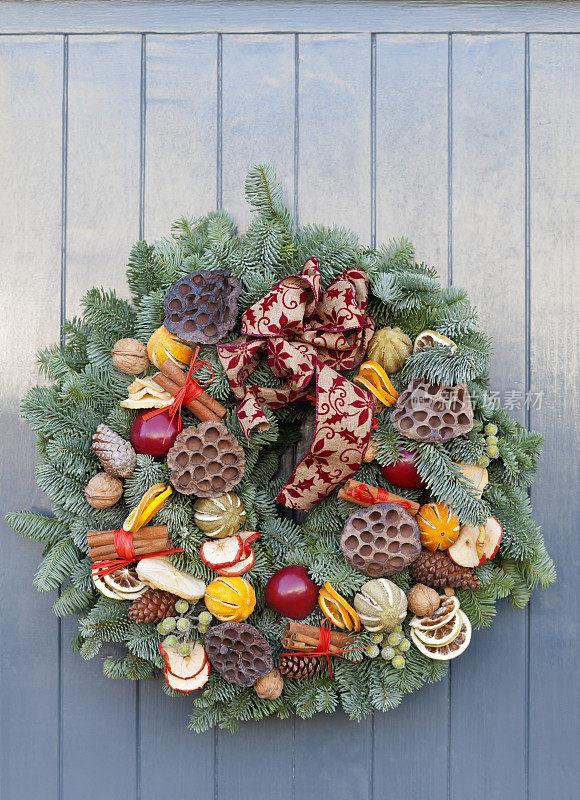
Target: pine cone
203,306
116,455
153,606
297,666
438,570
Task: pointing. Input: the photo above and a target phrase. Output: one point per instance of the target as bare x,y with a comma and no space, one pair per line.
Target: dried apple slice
248,537
475,546
220,553
184,667
242,566
159,573
188,684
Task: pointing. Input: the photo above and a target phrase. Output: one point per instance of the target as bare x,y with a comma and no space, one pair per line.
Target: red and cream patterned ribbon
306,335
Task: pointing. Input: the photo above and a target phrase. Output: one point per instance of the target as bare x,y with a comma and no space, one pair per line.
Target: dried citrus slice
374,378
124,584
163,345
446,611
149,505
338,611
438,525
429,338
445,634
447,651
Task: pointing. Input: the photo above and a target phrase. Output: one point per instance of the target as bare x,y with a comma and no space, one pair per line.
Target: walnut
103,490
422,600
130,356
270,686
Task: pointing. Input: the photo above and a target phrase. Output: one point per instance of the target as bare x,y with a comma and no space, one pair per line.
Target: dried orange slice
429,338
163,345
338,611
373,377
151,502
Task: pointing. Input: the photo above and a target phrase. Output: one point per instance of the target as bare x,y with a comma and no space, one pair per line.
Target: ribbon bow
188,392
308,334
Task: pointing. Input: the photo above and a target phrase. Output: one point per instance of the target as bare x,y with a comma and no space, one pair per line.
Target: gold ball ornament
103,491
269,687
390,347
422,601
130,356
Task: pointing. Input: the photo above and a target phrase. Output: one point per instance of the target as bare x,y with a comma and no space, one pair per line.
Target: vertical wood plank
554,692
488,250
411,160
334,176
180,178
31,70
257,125
103,222
411,200
332,754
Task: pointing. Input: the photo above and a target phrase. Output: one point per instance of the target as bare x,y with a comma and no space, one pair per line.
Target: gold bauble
390,347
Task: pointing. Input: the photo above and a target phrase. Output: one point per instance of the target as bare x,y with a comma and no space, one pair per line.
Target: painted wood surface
117,117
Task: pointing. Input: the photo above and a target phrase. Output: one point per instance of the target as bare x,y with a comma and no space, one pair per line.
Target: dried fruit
230,599
438,525
130,356
163,345
123,584
372,376
153,499
238,652
430,338
160,573
103,491
475,475
381,605
422,600
219,516
146,393
449,650
270,686
222,553
475,546
338,611
447,610
203,306
185,673
116,455
390,347
428,412
206,460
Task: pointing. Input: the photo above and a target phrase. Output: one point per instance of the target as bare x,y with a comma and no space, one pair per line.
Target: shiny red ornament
292,592
154,436
404,473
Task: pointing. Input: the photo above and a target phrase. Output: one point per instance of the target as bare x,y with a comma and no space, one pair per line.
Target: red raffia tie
363,493
323,648
123,543
190,390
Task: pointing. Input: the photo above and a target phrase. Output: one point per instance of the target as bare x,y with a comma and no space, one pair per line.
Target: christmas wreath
160,440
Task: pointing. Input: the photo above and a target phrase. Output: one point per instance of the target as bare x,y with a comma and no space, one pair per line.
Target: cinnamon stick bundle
149,539
364,495
300,637
203,401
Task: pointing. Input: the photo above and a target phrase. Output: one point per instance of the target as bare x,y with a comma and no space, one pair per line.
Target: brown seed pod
130,356
270,686
103,491
422,600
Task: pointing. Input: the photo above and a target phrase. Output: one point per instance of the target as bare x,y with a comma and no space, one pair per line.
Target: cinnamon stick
298,636
175,374
375,495
96,538
196,407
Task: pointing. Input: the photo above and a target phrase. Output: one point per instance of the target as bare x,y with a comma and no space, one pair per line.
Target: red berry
292,592
404,473
154,436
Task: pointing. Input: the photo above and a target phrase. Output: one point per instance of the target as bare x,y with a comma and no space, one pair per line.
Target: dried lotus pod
206,460
380,540
219,516
381,605
130,356
238,652
103,491
428,412
390,347
203,306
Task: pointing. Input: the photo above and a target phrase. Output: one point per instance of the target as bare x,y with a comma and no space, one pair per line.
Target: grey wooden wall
455,124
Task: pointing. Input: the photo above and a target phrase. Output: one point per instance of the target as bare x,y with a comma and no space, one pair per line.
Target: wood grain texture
554,690
488,259
30,209
411,200
104,80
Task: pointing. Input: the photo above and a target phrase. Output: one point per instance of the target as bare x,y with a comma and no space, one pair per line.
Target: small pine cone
297,666
439,570
116,455
153,606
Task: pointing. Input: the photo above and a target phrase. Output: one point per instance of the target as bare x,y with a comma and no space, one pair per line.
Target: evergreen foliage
86,389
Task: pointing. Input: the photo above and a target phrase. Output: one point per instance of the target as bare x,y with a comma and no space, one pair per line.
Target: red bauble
404,473
154,436
292,592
